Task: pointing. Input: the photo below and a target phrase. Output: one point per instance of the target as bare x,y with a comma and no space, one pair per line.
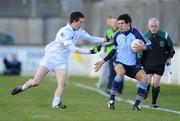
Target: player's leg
103,79
149,72
158,72
41,72
111,75
142,87
149,78
155,89
120,71
61,76
120,90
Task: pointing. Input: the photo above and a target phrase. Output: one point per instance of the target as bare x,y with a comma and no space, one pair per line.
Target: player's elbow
74,50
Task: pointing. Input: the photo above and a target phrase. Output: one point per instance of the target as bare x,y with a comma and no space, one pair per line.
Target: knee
143,78
62,83
156,85
119,70
120,73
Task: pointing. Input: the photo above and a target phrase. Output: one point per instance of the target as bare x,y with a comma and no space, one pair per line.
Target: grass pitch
83,105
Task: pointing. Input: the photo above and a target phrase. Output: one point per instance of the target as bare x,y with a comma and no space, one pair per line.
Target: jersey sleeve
138,35
115,38
93,39
145,40
171,50
110,55
75,49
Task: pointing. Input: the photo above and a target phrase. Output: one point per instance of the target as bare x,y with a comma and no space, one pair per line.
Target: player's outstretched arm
98,65
75,49
92,39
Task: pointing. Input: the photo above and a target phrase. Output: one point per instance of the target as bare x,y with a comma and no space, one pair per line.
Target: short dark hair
75,16
125,17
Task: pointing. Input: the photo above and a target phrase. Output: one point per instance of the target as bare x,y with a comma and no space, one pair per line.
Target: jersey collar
127,32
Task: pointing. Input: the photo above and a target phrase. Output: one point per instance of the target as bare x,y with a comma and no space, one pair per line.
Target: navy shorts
131,71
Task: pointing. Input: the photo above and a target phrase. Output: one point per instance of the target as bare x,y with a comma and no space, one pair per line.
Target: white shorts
52,66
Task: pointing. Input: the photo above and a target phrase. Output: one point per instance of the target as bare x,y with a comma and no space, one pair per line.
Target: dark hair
125,17
75,16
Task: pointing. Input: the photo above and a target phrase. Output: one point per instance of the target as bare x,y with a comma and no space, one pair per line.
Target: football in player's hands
136,45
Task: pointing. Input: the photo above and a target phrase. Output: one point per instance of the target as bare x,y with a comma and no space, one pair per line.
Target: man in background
111,31
108,72
12,65
154,61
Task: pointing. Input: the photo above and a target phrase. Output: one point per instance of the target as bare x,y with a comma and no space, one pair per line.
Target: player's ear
129,23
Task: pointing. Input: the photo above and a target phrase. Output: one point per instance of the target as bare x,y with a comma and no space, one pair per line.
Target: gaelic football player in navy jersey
126,60
57,53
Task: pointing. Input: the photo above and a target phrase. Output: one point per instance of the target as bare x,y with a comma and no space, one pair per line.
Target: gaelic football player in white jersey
57,53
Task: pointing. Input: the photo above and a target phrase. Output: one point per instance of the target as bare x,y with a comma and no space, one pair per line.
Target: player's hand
168,61
139,47
96,49
98,65
108,39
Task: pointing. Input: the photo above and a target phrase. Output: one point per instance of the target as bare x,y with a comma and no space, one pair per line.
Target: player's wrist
96,49
105,39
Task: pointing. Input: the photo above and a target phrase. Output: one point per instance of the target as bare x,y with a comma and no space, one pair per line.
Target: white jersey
57,51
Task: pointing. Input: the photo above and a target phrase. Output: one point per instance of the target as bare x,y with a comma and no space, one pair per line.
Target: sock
147,91
140,95
24,87
137,101
143,86
56,101
115,85
155,93
112,97
121,86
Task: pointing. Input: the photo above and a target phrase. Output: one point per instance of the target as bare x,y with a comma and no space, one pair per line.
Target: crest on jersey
62,34
161,43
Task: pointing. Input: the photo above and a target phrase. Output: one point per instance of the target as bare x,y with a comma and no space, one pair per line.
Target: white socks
24,86
56,101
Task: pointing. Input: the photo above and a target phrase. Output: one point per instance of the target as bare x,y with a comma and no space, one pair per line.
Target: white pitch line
41,116
123,100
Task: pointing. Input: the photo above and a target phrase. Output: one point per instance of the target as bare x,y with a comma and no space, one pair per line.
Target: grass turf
83,105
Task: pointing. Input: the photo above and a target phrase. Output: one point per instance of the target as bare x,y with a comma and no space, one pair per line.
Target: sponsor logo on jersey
161,43
62,34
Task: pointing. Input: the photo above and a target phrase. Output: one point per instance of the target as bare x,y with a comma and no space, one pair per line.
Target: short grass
83,105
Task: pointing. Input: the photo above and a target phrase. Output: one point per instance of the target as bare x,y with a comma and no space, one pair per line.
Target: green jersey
110,34
162,49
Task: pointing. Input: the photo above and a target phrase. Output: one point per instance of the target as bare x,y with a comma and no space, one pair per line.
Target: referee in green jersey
154,60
